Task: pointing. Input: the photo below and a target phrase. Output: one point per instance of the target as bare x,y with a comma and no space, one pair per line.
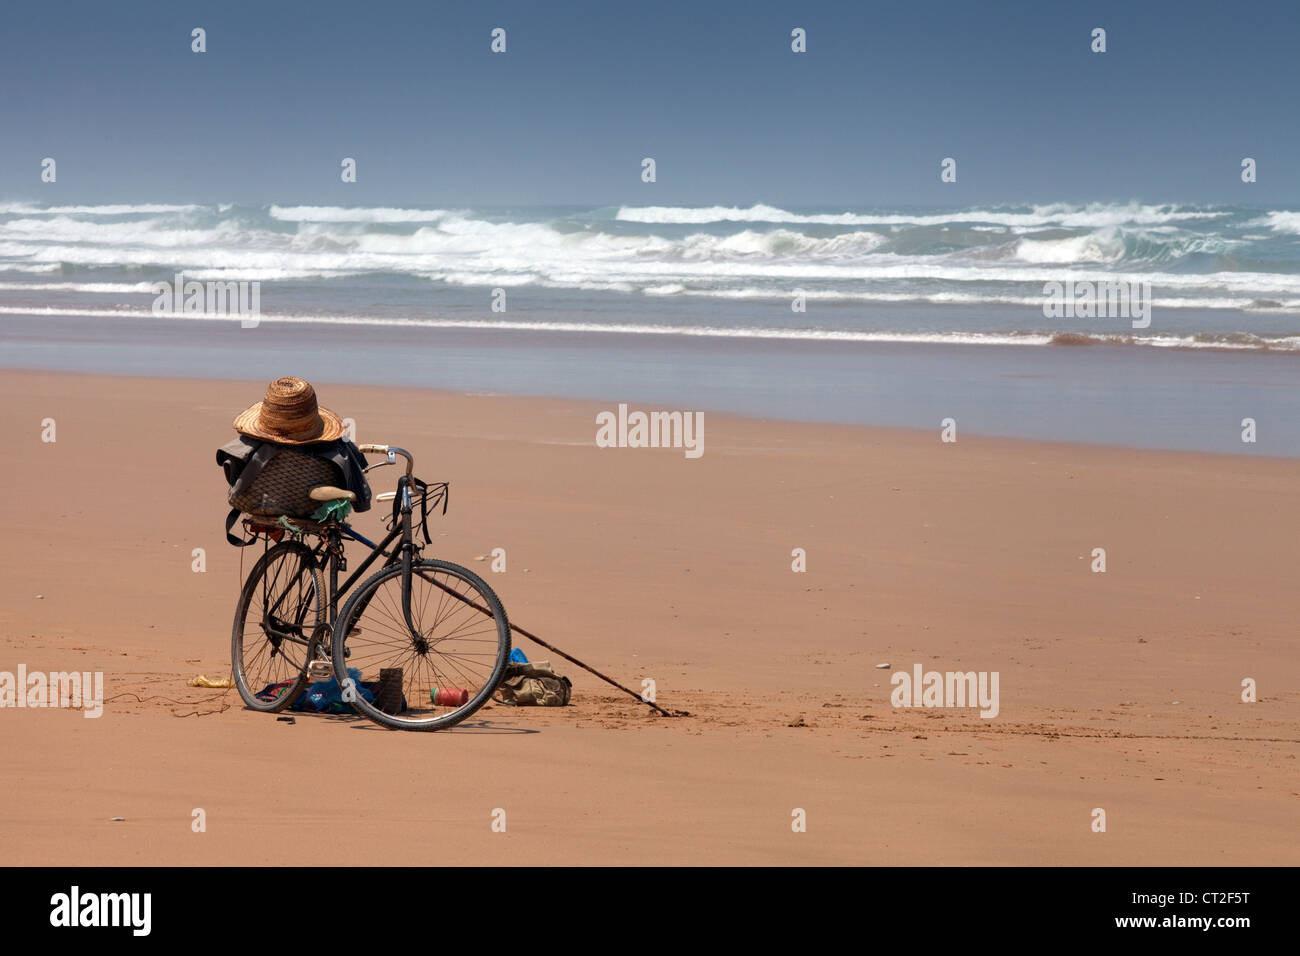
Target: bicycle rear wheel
446,644
279,608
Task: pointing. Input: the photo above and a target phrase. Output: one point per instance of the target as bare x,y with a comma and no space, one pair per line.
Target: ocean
874,316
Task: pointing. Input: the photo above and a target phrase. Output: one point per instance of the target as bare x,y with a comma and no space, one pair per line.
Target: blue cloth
518,657
327,695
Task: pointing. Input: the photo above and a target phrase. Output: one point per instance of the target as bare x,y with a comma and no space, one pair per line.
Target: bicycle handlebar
390,451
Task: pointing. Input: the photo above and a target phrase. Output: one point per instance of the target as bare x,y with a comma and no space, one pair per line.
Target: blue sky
711,90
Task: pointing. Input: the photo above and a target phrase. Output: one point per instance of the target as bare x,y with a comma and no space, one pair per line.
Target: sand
1120,691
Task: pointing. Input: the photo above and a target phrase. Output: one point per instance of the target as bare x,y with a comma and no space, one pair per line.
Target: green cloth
339,508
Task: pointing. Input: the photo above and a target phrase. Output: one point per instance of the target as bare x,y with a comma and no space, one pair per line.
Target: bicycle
394,669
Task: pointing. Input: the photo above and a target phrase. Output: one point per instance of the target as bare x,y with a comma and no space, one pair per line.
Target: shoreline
1109,396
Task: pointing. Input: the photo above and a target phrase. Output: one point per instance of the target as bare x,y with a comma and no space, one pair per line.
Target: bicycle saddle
330,493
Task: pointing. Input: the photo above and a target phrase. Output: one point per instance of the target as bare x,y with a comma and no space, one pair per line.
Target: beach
1119,691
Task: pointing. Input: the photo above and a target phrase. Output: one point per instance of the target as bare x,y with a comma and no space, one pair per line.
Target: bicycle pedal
320,670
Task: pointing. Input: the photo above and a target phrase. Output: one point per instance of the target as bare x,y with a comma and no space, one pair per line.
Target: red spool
449,696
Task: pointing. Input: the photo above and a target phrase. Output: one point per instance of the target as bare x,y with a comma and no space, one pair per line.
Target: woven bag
282,486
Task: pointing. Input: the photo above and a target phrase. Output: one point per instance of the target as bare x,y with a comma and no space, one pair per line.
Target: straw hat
289,415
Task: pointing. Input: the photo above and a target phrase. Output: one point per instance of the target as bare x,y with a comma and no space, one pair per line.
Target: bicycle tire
366,596
305,617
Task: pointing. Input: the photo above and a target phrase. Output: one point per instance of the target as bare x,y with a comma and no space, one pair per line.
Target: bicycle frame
331,546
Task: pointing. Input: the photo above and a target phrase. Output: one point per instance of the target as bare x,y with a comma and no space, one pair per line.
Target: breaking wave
1193,257
1057,214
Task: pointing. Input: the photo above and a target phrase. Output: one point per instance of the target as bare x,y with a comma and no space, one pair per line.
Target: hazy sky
711,90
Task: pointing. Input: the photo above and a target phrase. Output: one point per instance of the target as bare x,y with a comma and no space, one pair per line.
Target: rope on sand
194,713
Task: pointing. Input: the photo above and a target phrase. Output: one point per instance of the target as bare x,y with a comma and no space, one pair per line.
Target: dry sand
1118,690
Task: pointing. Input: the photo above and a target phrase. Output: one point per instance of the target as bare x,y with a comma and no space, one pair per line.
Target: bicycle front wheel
423,652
